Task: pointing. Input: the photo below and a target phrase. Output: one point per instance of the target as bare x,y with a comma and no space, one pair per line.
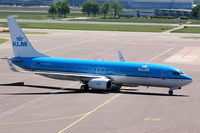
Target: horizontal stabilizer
10,64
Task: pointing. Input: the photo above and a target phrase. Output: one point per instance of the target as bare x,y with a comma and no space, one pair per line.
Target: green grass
195,21
36,15
2,40
25,15
94,27
23,9
137,20
191,37
188,30
27,32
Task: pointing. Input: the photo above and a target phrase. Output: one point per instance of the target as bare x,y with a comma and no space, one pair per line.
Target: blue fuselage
148,70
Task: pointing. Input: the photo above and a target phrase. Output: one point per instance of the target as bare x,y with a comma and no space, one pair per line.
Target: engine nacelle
100,83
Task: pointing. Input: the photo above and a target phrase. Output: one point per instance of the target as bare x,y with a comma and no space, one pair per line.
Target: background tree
196,11
95,8
87,7
65,8
58,5
90,7
105,8
116,6
52,9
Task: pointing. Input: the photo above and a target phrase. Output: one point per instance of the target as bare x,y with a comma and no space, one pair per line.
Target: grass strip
94,27
25,15
188,30
136,20
3,40
191,37
26,32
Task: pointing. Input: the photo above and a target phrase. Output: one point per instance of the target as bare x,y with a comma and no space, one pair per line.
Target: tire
170,92
84,88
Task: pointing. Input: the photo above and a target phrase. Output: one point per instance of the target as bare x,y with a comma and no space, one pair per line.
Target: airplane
93,74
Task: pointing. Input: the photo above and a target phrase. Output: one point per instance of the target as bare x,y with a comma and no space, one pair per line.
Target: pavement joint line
72,44
166,51
22,106
39,121
26,104
90,112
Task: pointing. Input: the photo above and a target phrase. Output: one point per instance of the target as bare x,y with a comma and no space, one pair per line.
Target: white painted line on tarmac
27,104
161,54
23,106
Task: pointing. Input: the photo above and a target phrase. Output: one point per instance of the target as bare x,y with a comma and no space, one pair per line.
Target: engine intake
100,83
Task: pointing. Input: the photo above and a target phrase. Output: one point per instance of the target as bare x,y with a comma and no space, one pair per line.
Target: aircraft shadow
73,91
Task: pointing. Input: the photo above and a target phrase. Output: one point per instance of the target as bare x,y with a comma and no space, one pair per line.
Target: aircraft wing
121,58
67,75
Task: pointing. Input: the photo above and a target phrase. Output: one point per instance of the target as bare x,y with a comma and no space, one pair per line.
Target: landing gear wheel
170,92
84,88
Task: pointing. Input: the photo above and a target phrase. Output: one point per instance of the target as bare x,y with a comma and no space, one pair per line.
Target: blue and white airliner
104,75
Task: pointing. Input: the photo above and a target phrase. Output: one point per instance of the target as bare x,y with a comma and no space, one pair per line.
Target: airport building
141,8
127,4
145,4
26,2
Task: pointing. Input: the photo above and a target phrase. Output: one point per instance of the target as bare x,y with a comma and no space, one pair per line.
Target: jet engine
100,83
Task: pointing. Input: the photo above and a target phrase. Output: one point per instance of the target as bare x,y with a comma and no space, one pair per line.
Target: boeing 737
93,74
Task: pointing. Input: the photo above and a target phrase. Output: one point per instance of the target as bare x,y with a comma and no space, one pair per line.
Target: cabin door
163,75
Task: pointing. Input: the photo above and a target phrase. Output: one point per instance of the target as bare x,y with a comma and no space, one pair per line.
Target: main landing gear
84,88
170,92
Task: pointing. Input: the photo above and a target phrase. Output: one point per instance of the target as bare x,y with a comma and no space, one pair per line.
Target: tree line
92,7
62,7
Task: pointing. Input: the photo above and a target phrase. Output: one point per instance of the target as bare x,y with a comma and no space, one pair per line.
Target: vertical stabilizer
20,44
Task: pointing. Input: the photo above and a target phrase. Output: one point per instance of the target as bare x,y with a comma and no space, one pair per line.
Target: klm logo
19,42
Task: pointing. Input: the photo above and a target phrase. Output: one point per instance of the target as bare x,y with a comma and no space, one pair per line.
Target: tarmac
31,103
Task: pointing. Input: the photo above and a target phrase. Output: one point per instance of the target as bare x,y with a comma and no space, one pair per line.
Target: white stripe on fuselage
138,81
148,81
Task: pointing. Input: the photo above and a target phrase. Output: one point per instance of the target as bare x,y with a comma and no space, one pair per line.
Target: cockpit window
178,73
181,73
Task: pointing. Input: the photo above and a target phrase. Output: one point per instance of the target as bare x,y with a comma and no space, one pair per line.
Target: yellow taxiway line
89,113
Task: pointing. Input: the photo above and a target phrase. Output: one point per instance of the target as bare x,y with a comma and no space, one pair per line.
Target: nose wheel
170,92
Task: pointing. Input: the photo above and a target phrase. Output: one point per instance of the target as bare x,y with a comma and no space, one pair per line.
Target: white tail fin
21,45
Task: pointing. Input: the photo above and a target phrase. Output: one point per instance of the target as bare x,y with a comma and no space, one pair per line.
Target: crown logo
19,38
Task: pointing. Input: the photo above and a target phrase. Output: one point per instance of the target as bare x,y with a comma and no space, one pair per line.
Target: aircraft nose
188,79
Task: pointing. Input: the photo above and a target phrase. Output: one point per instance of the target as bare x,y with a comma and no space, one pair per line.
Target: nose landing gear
171,90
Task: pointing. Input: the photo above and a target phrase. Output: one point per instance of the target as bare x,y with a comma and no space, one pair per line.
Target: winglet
121,58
